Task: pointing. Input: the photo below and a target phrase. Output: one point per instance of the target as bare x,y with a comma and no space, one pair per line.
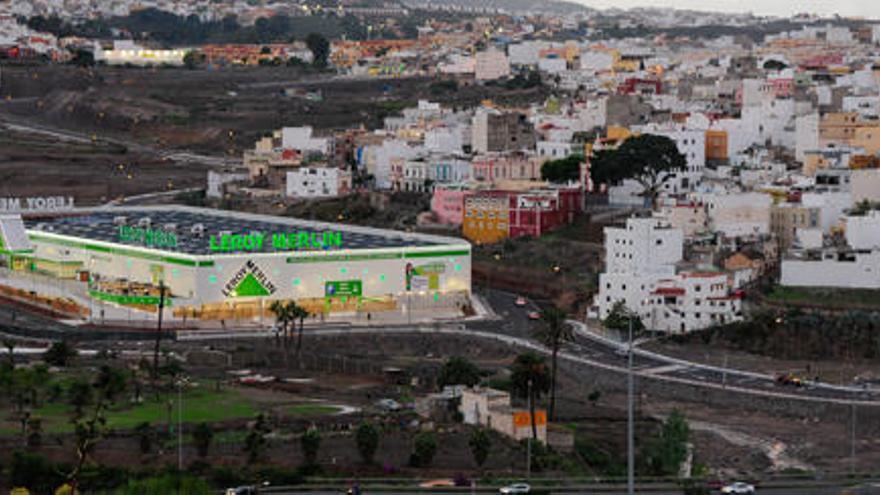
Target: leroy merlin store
218,265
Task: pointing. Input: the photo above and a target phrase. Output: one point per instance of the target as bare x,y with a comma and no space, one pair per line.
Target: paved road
830,490
612,354
22,125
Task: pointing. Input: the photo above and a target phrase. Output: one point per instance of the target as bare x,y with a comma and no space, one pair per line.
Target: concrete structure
490,65
787,218
492,408
318,182
496,131
738,214
641,273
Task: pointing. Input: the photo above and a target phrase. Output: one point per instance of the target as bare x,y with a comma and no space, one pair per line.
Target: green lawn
842,298
198,406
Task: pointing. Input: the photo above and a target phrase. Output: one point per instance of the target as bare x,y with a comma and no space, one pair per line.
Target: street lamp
630,427
181,381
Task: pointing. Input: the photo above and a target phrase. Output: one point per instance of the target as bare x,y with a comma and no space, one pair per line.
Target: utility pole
529,442
852,440
159,329
180,424
630,427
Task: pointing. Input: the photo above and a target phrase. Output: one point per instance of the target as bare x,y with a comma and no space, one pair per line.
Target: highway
840,489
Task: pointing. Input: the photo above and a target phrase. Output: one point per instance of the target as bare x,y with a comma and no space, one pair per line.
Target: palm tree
530,381
301,313
553,332
283,317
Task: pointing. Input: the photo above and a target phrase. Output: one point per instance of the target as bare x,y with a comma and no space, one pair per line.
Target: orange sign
523,419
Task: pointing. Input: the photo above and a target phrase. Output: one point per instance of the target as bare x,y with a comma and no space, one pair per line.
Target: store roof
105,225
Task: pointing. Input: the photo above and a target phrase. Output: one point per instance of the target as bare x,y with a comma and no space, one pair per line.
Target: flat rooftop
101,225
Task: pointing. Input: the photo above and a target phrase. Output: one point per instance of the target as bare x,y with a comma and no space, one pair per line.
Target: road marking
669,368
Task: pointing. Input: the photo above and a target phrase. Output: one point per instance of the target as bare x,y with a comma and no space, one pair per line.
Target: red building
534,213
638,86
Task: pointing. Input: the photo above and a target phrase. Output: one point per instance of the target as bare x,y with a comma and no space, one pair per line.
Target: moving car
534,315
738,488
789,379
516,488
520,301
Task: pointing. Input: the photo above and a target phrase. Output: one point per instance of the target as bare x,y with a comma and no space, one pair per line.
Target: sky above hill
863,8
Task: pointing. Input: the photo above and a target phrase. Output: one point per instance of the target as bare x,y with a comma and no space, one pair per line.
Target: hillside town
456,242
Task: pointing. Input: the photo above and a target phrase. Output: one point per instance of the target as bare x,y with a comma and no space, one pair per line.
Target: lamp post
630,427
529,441
180,383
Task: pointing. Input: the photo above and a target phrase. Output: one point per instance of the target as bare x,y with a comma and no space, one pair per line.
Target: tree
193,59
619,318
203,434
424,449
664,454
91,425
311,443
283,317
553,332
367,439
648,159
530,375
301,314
255,442
775,65
145,433
480,444
9,344
59,354
82,58
320,49
458,371
564,170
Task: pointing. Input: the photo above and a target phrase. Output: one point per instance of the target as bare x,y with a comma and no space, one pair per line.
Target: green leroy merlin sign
249,281
343,288
279,241
147,237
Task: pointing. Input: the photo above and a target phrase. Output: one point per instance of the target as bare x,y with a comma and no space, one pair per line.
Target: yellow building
716,145
486,218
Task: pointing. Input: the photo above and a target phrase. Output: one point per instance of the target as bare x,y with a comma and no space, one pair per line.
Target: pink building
447,203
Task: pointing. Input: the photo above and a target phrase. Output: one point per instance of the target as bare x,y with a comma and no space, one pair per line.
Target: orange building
716,145
486,218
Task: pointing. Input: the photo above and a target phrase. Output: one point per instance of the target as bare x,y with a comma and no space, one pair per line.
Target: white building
636,256
217,181
318,182
738,214
640,270
491,64
863,232
302,140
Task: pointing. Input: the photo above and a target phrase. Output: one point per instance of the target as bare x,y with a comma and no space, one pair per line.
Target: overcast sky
863,8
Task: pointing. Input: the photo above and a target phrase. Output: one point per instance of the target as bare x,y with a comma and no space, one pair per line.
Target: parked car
520,301
516,488
388,404
738,488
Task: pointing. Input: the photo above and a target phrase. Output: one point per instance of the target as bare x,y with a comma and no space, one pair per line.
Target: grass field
199,405
841,298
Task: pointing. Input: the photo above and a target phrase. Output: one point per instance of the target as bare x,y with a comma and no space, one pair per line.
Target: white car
738,488
516,488
520,301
